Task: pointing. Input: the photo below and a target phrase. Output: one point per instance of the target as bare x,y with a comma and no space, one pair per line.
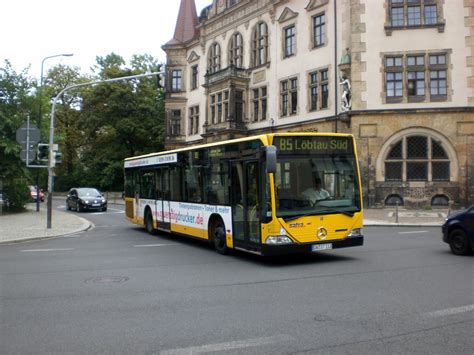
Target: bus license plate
318,247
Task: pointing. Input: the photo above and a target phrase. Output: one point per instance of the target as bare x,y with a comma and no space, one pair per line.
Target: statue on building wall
346,97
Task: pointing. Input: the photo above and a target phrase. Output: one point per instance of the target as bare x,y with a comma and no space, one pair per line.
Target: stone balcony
227,74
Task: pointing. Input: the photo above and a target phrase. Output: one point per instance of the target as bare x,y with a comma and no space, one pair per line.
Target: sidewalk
32,225
19,227
412,218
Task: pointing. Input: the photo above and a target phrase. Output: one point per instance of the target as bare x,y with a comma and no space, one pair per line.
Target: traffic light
43,151
160,78
57,157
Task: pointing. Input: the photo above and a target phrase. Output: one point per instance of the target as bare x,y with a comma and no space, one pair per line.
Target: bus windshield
318,184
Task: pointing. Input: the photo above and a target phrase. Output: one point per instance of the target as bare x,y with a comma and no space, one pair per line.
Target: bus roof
264,138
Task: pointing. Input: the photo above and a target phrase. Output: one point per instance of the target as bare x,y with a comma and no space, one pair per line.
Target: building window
319,30
239,105
194,77
414,16
431,16
236,50
417,158
219,107
214,58
397,17
289,96
394,77
290,41
260,44
176,80
259,104
284,98
416,75
193,120
318,89
438,76
412,13
313,91
419,74
324,74
175,123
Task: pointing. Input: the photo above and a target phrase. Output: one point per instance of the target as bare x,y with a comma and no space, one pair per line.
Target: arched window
393,200
214,58
236,50
260,44
440,200
417,158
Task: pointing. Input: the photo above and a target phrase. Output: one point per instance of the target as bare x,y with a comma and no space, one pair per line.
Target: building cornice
237,15
459,109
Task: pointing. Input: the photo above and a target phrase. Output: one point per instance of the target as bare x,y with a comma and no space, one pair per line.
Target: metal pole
335,67
40,119
396,212
51,132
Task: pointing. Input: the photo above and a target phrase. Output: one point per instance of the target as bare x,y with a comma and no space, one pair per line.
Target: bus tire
149,222
218,236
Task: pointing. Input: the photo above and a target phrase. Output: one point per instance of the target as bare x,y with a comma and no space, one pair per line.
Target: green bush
17,195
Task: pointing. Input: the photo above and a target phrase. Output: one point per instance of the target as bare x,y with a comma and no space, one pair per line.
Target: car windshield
313,185
88,193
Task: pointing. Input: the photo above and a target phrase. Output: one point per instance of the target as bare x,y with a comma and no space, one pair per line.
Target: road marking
413,232
119,212
450,311
233,345
34,250
152,245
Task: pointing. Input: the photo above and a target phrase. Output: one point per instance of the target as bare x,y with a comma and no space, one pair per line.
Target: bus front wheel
219,237
149,222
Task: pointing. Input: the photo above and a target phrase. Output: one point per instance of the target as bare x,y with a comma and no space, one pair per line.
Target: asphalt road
115,289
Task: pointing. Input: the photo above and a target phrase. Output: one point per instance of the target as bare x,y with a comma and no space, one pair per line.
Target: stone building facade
397,74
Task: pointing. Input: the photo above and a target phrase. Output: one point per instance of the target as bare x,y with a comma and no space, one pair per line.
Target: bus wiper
345,213
314,213
287,219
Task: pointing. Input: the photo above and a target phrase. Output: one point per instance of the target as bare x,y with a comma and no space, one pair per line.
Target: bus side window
158,185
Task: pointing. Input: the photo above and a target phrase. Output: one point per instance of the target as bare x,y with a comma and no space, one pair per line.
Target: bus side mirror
271,159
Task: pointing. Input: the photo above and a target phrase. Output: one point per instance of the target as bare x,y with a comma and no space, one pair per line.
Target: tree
16,103
122,118
68,114
105,123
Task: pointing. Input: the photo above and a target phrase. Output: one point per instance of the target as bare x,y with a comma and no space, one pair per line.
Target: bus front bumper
311,247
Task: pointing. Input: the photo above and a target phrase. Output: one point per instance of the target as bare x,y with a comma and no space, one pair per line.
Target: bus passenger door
245,205
162,202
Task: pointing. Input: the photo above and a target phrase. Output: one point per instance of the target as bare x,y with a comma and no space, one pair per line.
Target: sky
34,29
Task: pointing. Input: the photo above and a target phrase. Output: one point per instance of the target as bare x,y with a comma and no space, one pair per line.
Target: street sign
31,155
28,135
28,132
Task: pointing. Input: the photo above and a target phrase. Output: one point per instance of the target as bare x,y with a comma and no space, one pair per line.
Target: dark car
86,199
33,193
458,231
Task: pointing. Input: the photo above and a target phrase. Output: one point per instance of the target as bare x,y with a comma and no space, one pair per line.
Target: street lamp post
51,131
40,113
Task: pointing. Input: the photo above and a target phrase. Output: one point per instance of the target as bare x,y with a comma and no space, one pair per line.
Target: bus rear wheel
219,238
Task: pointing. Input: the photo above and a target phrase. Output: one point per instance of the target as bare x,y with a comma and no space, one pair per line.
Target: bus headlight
356,232
278,240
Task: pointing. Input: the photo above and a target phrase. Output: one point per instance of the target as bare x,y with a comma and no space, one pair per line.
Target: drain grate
106,280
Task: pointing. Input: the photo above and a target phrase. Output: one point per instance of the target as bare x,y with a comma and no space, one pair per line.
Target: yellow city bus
251,194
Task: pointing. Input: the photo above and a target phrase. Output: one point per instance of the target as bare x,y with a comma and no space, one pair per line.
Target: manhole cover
106,279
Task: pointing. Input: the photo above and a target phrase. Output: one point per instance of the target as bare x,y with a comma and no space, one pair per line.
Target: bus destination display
313,145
